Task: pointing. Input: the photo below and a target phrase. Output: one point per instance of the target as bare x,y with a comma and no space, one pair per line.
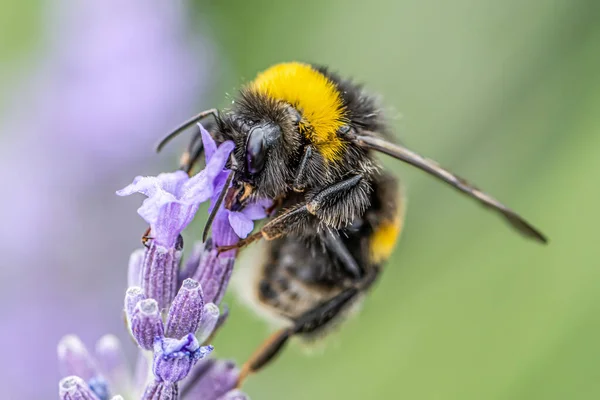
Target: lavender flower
170,329
174,198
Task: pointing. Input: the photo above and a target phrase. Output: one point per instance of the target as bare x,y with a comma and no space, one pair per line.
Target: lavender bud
75,388
74,358
174,358
132,297
213,273
219,379
234,395
134,271
186,311
159,272
210,317
113,365
161,391
146,324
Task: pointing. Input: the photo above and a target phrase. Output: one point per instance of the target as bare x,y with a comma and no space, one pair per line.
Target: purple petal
146,324
174,198
201,185
222,232
173,358
171,219
148,185
255,211
241,224
208,142
186,311
75,388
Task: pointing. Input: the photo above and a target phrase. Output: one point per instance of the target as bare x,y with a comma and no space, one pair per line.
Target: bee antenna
216,207
175,132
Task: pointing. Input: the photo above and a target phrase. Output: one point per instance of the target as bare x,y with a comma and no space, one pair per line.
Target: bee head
267,143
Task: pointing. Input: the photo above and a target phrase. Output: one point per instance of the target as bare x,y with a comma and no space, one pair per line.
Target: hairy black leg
335,244
321,205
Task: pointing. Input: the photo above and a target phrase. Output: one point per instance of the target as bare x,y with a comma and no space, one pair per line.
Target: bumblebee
307,139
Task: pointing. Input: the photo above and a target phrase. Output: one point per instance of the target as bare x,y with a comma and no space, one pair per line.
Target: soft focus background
505,93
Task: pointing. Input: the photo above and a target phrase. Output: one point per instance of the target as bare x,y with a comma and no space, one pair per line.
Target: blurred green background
506,94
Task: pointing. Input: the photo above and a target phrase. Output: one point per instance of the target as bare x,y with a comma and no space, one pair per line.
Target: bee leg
322,206
300,179
336,245
306,323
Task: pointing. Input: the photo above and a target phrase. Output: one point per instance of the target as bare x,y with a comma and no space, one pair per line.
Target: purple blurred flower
86,106
91,377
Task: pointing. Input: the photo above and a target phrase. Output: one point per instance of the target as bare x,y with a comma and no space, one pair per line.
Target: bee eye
256,151
260,139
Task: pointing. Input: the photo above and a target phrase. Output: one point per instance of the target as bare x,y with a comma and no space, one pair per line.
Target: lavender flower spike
174,198
172,202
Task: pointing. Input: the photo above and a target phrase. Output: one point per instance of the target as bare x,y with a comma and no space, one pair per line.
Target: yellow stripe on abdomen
386,235
315,96
384,240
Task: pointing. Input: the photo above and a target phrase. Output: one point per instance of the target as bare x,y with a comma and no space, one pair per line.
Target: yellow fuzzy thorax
315,96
